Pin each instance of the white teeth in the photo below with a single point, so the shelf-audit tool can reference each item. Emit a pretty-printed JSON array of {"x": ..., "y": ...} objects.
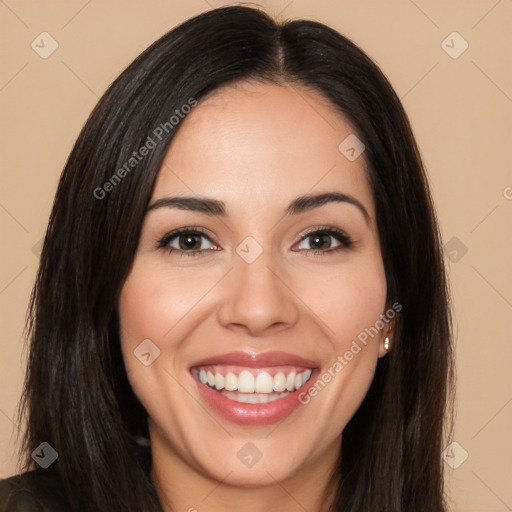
[
  {"x": 253, "y": 398},
  {"x": 231, "y": 382},
  {"x": 279, "y": 382},
  {"x": 246, "y": 382},
  {"x": 219, "y": 380},
  {"x": 290, "y": 381},
  {"x": 263, "y": 398},
  {"x": 263, "y": 383}
]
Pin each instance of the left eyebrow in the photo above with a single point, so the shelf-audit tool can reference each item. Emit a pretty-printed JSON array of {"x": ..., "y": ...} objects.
[
  {"x": 309, "y": 202},
  {"x": 216, "y": 208}
]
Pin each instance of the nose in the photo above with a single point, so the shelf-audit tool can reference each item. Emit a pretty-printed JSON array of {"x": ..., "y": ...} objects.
[{"x": 258, "y": 298}]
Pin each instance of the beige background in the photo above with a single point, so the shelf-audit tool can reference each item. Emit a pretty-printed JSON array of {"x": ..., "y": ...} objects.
[{"x": 461, "y": 111}]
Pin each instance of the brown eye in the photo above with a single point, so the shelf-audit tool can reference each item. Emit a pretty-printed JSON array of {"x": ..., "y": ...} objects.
[
  {"x": 321, "y": 241},
  {"x": 325, "y": 240},
  {"x": 187, "y": 241}
]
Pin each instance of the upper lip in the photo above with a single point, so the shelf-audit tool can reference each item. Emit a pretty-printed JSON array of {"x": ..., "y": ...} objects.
[{"x": 253, "y": 360}]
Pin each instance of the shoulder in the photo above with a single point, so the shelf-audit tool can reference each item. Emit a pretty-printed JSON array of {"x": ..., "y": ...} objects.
[{"x": 33, "y": 491}]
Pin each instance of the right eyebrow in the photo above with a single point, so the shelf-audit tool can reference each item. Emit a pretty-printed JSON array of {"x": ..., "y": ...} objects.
[{"x": 196, "y": 204}]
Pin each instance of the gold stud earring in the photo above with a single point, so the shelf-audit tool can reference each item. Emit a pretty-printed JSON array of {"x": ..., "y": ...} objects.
[{"x": 387, "y": 341}]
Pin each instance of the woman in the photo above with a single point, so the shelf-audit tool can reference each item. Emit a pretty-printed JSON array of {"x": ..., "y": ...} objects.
[{"x": 241, "y": 297}]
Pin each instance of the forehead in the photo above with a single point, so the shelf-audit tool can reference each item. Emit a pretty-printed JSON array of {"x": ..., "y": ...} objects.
[{"x": 262, "y": 143}]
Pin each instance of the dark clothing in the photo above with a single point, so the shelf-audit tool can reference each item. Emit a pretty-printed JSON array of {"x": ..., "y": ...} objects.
[{"x": 45, "y": 495}]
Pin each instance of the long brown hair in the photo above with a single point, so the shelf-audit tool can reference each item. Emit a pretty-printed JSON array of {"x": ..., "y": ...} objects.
[{"x": 77, "y": 396}]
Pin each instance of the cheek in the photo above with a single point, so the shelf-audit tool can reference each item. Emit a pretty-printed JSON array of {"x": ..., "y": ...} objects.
[
  {"x": 348, "y": 300},
  {"x": 145, "y": 313},
  {"x": 154, "y": 300},
  {"x": 155, "y": 304},
  {"x": 149, "y": 310}
]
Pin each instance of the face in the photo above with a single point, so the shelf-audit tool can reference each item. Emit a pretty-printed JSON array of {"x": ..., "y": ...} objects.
[{"x": 257, "y": 304}]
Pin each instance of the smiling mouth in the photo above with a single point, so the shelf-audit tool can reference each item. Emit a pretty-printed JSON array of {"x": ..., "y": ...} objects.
[
  {"x": 254, "y": 389},
  {"x": 253, "y": 385}
]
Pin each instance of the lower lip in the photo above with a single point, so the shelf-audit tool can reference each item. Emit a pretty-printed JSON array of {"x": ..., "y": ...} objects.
[{"x": 253, "y": 414}]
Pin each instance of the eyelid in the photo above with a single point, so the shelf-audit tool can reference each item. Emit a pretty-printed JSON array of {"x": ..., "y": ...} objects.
[
  {"x": 342, "y": 235},
  {"x": 163, "y": 241}
]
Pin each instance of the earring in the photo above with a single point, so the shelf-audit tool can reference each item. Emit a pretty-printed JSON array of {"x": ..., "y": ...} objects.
[{"x": 387, "y": 341}]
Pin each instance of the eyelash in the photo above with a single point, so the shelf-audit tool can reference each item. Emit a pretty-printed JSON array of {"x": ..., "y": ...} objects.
[
  {"x": 163, "y": 243},
  {"x": 345, "y": 241}
]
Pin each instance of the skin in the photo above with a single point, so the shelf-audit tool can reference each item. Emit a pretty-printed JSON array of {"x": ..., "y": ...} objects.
[{"x": 256, "y": 147}]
